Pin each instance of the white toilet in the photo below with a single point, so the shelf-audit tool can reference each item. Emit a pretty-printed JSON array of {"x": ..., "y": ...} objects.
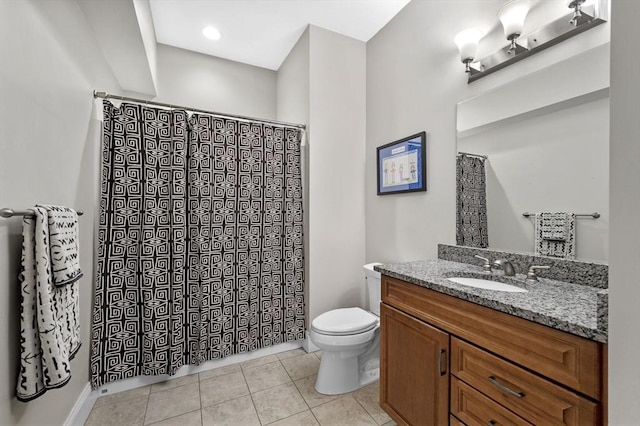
[{"x": 350, "y": 340}]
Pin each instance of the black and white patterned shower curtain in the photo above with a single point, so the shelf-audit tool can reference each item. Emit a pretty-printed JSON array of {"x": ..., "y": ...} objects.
[
  {"x": 471, "y": 204},
  {"x": 200, "y": 245}
]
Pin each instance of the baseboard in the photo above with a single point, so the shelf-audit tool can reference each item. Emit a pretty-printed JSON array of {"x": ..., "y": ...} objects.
[
  {"x": 308, "y": 345},
  {"x": 81, "y": 409}
]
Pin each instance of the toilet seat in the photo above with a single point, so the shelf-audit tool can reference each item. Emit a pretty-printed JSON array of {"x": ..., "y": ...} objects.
[{"x": 344, "y": 322}]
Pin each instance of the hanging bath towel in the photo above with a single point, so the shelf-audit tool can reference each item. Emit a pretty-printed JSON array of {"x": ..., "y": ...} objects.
[
  {"x": 49, "y": 313},
  {"x": 64, "y": 244},
  {"x": 555, "y": 235}
]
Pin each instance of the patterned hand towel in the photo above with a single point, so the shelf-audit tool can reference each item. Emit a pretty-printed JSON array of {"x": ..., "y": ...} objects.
[
  {"x": 555, "y": 226},
  {"x": 48, "y": 315},
  {"x": 64, "y": 241},
  {"x": 555, "y": 235}
]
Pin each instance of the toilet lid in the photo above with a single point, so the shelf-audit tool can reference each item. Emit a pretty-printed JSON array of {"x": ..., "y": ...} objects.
[{"x": 344, "y": 321}]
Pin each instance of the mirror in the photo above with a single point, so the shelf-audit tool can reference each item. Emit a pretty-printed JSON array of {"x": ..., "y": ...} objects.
[{"x": 550, "y": 155}]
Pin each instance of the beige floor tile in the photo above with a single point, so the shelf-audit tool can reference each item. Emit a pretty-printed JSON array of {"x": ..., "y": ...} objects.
[
  {"x": 306, "y": 418},
  {"x": 122, "y": 396},
  {"x": 290, "y": 354},
  {"x": 391, "y": 423},
  {"x": 172, "y": 402},
  {"x": 301, "y": 366},
  {"x": 318, "y": 354},
  {"x": 129, "y": 412},
  {"x": 174, "y": 383},
  {"x": 189, "y": 419},
  {"x": 258, "y": 361},
  {"x": 266, "y": 376},
  {"x": 278, "y": 403},
  {"x": 221, "y": 371},
  {"x": 239, "y": 411},
  {"x": 369, "y": 398},
  {"x": 307, "y": 387},
  {"x": 222, "y": 388},
  {"x": 343, "y": 411}
]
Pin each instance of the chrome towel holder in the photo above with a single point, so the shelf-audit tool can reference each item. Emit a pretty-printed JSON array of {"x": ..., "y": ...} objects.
[
  {"x": 594, "y": 215},
  {"x": 7, "y": 213}
]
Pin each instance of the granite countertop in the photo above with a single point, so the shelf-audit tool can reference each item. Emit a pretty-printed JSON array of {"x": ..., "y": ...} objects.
[{"x": 574, "y": 308}]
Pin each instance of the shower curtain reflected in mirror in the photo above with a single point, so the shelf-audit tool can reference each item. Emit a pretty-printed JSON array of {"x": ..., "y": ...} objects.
[
  {"x": 200, "y": 244},
  {"x": 471, "y": 203}
]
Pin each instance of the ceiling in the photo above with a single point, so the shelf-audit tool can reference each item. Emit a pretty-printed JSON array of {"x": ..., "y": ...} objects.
[{"x": 263, "y": 32}]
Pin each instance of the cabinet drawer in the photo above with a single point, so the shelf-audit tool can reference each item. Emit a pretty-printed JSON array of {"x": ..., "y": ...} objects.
[
  {"x": 473, "y": 408},
  {"x": 531, "y": 397},
  {"x": 571, "y": 360}
]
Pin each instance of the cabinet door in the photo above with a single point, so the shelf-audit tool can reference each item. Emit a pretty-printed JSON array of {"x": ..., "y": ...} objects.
[{"x": 414, "y": 364}]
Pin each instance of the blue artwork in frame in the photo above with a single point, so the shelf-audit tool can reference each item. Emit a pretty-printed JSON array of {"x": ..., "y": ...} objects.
[{"x": 402, "y": 165}]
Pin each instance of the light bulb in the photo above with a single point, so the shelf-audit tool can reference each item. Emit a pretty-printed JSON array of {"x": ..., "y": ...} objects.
[
  {"x": 211, "y": 33},
  {"x": 467, "y": 42},
  {"x": 512, "y": 15}
]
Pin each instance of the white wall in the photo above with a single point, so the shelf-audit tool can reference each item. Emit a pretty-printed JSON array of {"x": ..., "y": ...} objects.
[
  {"x": 553, "y": 162},
  {"x": 336, "y": 171},
  {"x": 49, "y": 144},
  {"x": 413, "y": 84},
  {"x": 331, "y": 69},
  {"x": 293, "y": 105},
  {"x": 414, "y": 81},
  {"x": 624, "y": 267},
  {"x": 213, "y": 84}
]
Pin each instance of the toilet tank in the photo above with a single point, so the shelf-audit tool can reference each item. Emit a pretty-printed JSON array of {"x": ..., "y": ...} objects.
[{"x": 373, "y": 287}]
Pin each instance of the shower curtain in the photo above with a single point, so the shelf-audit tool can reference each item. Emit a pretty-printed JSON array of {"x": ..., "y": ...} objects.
[
  {"x": 200, "y": 245},
  {"x": 471, "y": 205}
]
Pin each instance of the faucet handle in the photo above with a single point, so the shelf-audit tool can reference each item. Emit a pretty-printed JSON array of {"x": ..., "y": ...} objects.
[
  {"x": 531, "y": 275},
  {"x": 487, "y": 263}
]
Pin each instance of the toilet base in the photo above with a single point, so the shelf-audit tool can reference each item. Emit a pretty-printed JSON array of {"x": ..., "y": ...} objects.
[{"x": 346, "y": 371}]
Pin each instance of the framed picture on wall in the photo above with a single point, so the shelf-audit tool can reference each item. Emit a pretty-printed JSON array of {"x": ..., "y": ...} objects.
[{"x": 402, "y": 165}]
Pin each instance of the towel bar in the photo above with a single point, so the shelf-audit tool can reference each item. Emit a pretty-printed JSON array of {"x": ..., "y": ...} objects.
[
  {"x": 594, "y": 215},
  {"x": 28, "y": 212}
]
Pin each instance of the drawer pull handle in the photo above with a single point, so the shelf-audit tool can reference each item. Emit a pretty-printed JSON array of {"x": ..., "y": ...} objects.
[
  {"x": 504, "y": 388},
  {"x": 442, "y": 366}
]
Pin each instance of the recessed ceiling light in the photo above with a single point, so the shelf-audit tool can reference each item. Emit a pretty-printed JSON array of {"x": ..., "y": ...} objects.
[{"x": 211, "y": 33}]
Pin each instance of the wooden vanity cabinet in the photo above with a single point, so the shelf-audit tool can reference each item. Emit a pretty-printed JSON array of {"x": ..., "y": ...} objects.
[
  {"x": 444, "y": 360},
  {"x": 415, "y": 358}
]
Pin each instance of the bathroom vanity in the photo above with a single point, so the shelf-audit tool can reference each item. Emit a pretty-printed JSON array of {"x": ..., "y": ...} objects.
[{"x": 456, "y": 355}]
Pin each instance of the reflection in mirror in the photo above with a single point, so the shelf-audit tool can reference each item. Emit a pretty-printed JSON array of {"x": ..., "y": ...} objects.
[
  {"x": 553, "y": 162},
  {"x": 471, "y": 201}
]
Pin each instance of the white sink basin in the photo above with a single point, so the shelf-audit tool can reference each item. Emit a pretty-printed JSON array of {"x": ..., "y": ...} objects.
[{"x": 487, "y": 284}]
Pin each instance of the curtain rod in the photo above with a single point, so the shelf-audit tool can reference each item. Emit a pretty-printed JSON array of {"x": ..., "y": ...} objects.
[
  {"x": 472, "y": 155},
  {"x": 106, "y": 95}
]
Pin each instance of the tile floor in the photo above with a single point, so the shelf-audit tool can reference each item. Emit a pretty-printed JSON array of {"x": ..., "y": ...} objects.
[{"x": 273, "y": 390}]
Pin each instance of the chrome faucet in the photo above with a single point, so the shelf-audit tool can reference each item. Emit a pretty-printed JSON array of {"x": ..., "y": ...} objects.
[
  {"x": 487, "y": 263},
  {"x": 506, "y": 266},
  {"x": 531, "y": 275}
]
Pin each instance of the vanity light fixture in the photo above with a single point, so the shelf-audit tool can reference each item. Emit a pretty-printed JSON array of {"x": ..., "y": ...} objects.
[
  {"x": 467, "y": 42},
  {"x": 211, "y": 33},
  {"x": 576, "y": 5},
  {"x": 512, "y": 15},
  {"x": 585, "y": 15}
]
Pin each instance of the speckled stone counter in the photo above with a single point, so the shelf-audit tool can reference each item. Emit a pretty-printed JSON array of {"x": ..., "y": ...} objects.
[
  {"x": 573, "y": 271},
  {"x": 574, "y": 308}
]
